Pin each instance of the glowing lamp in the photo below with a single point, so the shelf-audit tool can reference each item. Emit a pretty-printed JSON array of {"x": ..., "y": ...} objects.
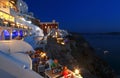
[
  {"x": 77, "y": 71},
  {"x": 62, "y": 43},
  {"x": 5, "y": 22},
  {"x": 43, "y": 54},
  {"x": 56, "y": 34},
  {"x": 13, "y": 24}
]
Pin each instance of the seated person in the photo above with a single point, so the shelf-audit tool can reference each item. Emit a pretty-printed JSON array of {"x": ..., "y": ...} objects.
[
  {"x": 49, "y": 63},
  {"x": 66, "y": 73},
  {"x": 34, "y": 62},
  {"x": 55, "y": 65}
]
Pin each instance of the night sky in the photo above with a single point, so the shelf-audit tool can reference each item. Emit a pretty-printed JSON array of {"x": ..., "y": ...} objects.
[{"x": 79, "y": 15}]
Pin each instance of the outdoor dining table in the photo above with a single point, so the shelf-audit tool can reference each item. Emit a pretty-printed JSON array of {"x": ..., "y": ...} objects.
[{"x": 49, "y": 74}]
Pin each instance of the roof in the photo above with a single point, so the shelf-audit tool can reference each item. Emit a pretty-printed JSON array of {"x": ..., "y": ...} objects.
[{"x": 15, "y": 46}]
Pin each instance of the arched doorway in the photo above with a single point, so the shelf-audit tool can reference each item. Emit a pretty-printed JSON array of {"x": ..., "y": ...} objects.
[
  {"x": 14, "y": 34},
  {"x": 21, "y": 33},
  {"x": 5, "y": 35}
]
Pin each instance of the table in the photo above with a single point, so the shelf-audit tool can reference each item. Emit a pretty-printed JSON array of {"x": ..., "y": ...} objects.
[
  {"x": 52, "y": 75},
  {"x": 49, "y": 74}
]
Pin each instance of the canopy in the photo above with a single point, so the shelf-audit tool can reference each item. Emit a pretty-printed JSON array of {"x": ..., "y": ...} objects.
[{"x": 14, "y": 46}]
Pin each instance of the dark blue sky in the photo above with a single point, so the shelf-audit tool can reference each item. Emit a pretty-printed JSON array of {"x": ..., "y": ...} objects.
[{"x": 79, "y": 15}]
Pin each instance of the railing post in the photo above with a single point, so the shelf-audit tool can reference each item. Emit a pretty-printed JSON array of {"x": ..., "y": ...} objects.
[{"x": 10, "y": 34}]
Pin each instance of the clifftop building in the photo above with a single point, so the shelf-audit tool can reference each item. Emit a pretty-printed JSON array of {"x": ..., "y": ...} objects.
[
  {"x": 15, "y": 19},
  {"x": 48, "y": 26}
]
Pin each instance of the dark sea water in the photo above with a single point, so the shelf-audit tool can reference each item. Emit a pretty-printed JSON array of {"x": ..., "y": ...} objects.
[{"x": 107, "y": 47}]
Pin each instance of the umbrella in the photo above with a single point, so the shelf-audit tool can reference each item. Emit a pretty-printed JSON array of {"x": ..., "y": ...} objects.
[{"x": 14, "y": 46}]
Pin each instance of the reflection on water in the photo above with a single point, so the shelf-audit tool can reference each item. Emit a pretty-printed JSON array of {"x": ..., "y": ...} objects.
[{"x": 107, "y": 47}]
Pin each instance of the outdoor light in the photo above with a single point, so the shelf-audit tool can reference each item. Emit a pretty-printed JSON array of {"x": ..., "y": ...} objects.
[
  {"x": 43, "y": 54},
  {"x": 58, "y": 41},
  {"x": 56, "y": 34},
  {"x": 18, "y": 24},
  {"x": 25, "y": 33},
  {"x": 77, "y": 71},
  {"x": 13, "y": 24},
  {"x": 62, "y": 43},
  {"x": 5, "y": 22},
  {"x": 53, "y": 36}
]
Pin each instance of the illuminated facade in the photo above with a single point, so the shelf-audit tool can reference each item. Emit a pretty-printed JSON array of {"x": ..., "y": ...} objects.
[
  {"x": 15, "y": 20},
  {"x": 8, "y": 5},
  {"x": 6, "y": 16},
  {"x": 12, "y": 23},
  {"x": 48, "y": 26}
]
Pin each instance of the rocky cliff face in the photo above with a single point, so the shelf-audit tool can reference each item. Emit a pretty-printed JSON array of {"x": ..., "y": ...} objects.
[{"x": 77, "y": 53}]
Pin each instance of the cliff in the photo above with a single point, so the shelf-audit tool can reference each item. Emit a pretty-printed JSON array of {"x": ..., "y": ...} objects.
[{"x": 77, "y": 53}]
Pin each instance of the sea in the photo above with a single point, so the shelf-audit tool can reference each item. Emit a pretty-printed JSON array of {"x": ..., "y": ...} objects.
[{"x": 107, "y": 47}]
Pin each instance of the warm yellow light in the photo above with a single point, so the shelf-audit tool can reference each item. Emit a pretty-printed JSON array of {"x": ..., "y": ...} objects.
[
  {"x": 53, "y": 36},
  {"x": 62, "y": 43},
  {"x": 21, "y": 26},
  {"x": 56, "y": 33},
  {"x": 25, "y": 27},
  {"x": 13, "y": 24},
  {"x": 18, "y": 25},
  {"x": 43, "y": 55},
  {"x": 56, "y": 26},
  {"x": 6, "y": 16},
  {"x": 77, "y": 71},
  {"x": 58, "y": 41},
  {"x": 45, "y": 27},
  {"x": 13, "y": 2},
  {"x": 5, "y": 22}
]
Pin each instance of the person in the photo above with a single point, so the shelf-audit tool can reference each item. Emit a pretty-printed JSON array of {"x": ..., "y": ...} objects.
[
  {"x": 66, "y": 73},
  {"x": 55, "y": 65},
  {"x": 34, "y": 62},
  {"x": 49, "y": 62}
]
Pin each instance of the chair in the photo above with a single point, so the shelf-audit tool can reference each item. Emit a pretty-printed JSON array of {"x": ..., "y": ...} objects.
[{"x": 41, "y": 68}]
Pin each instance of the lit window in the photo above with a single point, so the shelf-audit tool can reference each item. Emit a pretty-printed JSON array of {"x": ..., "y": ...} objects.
[
  {"x": 6, "y": 16},
  {"x": 45, "y": 27}
]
